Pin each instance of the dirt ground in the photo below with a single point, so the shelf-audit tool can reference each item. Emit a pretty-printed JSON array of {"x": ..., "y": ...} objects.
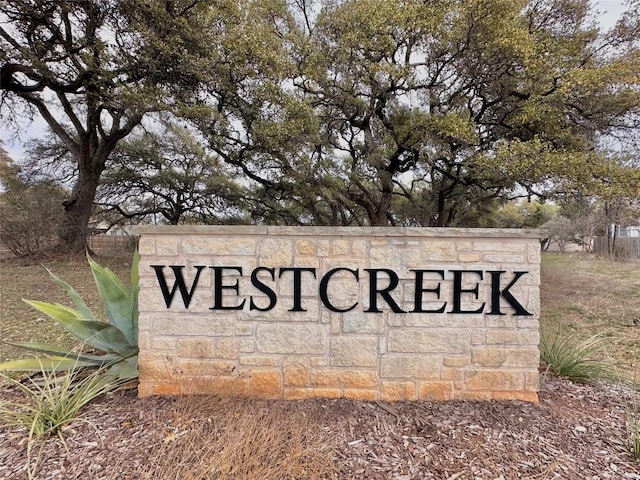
[{"x": 577, "y": 431}]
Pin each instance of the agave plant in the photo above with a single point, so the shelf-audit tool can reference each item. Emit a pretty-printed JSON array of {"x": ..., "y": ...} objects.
[{"x": 113, "y": 344}]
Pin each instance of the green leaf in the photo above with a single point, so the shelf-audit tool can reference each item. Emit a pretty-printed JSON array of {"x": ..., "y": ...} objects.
[
  {"x": 49, "y": 364},
  {"x": 58, "y": 351},
  {"x": 134, "y": 289},
  {"x": 99, "y": 335},
  {"x": 111, "y": 339},
  {"x": 119, "y": 305},
  {"x": 85, "y": 312},
  {"x": 125, "y": 370}
]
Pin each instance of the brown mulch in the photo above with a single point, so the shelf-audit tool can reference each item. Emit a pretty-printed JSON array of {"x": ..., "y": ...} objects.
[{"x": 575, "y": 432}]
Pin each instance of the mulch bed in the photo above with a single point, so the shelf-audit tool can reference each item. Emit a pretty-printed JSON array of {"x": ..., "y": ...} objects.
[{"x": 575, "y": 432}]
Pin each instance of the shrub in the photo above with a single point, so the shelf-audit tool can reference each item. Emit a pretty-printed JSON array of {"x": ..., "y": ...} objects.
[
  {"x": 114, "y": 344},
  {"x": 30, "y": 218},
  {"x": 580, "y": 360}
]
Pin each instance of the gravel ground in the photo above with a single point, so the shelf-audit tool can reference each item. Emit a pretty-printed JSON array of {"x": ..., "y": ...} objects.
[{"x": 575, "y": 432}]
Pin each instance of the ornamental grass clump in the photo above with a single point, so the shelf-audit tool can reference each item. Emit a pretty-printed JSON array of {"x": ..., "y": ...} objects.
[
  {"x": 633, "y": 422},
  {"x": 579, "y": 360},
  {"x": 50, "y": 401},
  {"x": 111, "y": 346}
]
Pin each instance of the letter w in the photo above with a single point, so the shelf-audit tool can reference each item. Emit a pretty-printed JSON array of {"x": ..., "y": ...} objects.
[{"x": 179, "y": 283}]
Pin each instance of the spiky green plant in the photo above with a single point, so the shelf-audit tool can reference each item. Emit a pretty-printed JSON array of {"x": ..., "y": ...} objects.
[
  {"x": 114, "y": 343},
  {"x": 569, "y": 356},
  {"x": 50, "y": 401}
]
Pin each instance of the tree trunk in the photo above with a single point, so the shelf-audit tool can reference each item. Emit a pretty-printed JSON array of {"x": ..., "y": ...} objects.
[
  {"x": 77, "y": 208},
  {"x": 380, "y": 217}
]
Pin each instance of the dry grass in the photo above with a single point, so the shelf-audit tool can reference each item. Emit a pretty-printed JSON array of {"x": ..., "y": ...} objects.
[
  {"x": 216, "y": 438},
  {"x": 586, "y": 296}
]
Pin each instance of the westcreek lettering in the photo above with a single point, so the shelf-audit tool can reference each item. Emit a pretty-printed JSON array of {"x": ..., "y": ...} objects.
[{"x": 382, "y": 282}]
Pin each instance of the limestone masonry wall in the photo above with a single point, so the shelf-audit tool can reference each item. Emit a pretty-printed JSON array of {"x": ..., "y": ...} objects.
[{"x": 461, "y": 323}]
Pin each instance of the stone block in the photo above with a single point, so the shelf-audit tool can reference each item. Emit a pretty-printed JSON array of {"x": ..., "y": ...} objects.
[
  {"x": 505, "y": 357},
  {"x": 528, "y": 323},
  {"x": 429, "y": 341},
  {"x": 144, "y": 340},
  {"x": 441, "y": 320},
  {"x": 265, "y": 384},
  {"x": 468, "y": 257},
  {"x": 503, "y": 258},
  {"x": 533, "y": 253},
  {"x": 340, "y": 247},
  {"x": 276, "y": 253},
  {"x": 336, "y": 324},
  {"x": 323, "y": 248},
  {"x": 318, "y": 361},
  {"x": 497, "y": 321},
  {"x": 166, "y": 389},
  {"x": 362, "y": 395},
  {"x": 399, "y": 258},
  {"x": 395, "y": 319},
  {"x": 532, "y": 381},
  {"x": 222, "y": 386},
  {"x": 343, "y": 378},
  {"x": 296, "y": 374},
  {"x": 426, "y": 367},
  {"x": 247, "y": 346},
  {"x": 195, "y": 347},
  {"x": 298, "y": 338},
  {"x": 155, "y": 366},
  {"x": 144, "y": 390},
  {"x": 397, "y": 391},
  {"x": 147, "y": 246},
  {"x": 216, "y": 246},
  {"x": 457, "y": 362},
  {"x": 495, "y": 380},
  {"x": 167, "y": 246},
  {"x": 479, "y": 337},
  {"x": 227, "y": 348},
  {"x": 497, "y": 336},
  {"x": 354, "y": 351},
  {"x": 360, "y": 322},
  {"x": 359, "y": 248},
  {"x": 438, "y": 251},
  {"x": 185, "y": 325},
  {"x": 437, "y": 391},
  {"x": 499, "y": 245},
  {"x": 464, "y": 246},
  {"x": 453, "y": 374},
  {"x": 191, "y": 368},
  {"x": 305, "y": 247},
  {"x": 382, "y": 345},
  {"x": 259, "y": 361},
  {"x": 244, "y": 328}
]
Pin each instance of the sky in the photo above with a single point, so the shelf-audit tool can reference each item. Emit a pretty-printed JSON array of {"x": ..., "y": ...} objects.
[{"x": 610, "y": 11}]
